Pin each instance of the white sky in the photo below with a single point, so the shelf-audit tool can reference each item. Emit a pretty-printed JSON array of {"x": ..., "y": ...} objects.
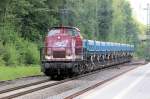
[{"x": 138, "y": 7}]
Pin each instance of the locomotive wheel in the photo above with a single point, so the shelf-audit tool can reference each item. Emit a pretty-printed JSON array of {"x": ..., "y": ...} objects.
[
  {"x": 75, "y": 70},
  {"x": 50, "y": 74},
  {"x": 47, "y": 72},
  {"x": 59, "y": 77},
  {"x": 53, "y": 77}
]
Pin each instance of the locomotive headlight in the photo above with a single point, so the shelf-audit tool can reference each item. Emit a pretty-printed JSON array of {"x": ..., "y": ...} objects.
[
  {"x": 47, "y": 57},
  {"x": 58, "y": 37},
  {"x": 68, "y": 52},
  {"x": 49, "y": 52}
]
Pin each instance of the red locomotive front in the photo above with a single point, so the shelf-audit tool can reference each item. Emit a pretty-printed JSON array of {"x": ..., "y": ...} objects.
[
  {"x": 63, "y": 44},
  {"x": 62, "y": 51}
]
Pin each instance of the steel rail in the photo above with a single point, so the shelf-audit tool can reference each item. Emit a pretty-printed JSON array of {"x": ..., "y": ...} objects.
[
  {"x": 23, "y": 86},
  {"x": 53, "y": 84},
  {"x": 97, "y": 84},
  {"x": 47, "y": 85}
]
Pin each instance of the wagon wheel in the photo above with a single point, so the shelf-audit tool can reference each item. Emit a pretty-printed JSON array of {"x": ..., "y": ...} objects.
[
  {"x": 75, "y": 69},
  {"x": 87, "y": 67},
  {"x": 81, "y": 69}
]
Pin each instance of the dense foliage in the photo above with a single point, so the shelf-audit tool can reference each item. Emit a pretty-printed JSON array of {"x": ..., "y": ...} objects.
[{"x": 24, "y": 23}]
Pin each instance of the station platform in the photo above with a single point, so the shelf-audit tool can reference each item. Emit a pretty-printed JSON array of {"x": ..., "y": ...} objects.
[{"x": 134, "y": 84}]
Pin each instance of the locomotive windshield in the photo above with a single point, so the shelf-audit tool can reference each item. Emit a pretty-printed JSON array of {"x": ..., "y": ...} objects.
[{"x": 70, "y": 31}]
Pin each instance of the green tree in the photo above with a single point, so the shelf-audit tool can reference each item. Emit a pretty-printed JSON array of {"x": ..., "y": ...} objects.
[{"x": 104, "y": 19}]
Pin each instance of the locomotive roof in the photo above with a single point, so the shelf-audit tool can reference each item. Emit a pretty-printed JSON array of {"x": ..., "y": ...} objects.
[{"x": 70, "y": 27}]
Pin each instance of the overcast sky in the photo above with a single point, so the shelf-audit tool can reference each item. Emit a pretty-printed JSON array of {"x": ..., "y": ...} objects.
[{"x": 138, "y": 9}]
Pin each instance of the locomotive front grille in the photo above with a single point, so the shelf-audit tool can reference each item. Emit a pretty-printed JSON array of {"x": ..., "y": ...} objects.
[{"x": 59, "y": 54}]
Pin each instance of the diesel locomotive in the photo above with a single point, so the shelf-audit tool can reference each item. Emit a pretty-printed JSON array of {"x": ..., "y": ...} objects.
[{"x": 66, "y": 53}]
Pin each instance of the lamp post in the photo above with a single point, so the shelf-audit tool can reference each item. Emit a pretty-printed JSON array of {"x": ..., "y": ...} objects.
[{"x": 147, "y": 53}]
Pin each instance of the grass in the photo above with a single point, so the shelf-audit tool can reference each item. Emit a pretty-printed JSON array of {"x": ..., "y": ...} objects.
[{"x": 10, "y": 73}]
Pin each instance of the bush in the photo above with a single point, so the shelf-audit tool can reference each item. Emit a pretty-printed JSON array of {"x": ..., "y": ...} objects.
[
  {"x": 22, "y": 52},
  {"x": 28, "y": 52},
  {"x": 14, "y": 50},
  {"x": 10, "y": 55},
  {"x": 2, "y": 62},
  {"x": 31, "y": 54}
]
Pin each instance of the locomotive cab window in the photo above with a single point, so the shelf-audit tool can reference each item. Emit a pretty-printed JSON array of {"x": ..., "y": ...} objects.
[
  {"x": 53, "y": 32},
  {"x": 69, "y": 31}
]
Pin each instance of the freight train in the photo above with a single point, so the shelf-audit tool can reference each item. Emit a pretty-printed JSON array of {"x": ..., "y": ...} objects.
[{"x": 66, "y": 53}]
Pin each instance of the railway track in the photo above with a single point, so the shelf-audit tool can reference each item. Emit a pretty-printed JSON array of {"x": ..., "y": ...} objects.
[
  {"x": 23, "y": 86},
  {"x": 36, "y": 86},
  {"x": 95, "y": 85},
  {"x": 102, "y": 82}
]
